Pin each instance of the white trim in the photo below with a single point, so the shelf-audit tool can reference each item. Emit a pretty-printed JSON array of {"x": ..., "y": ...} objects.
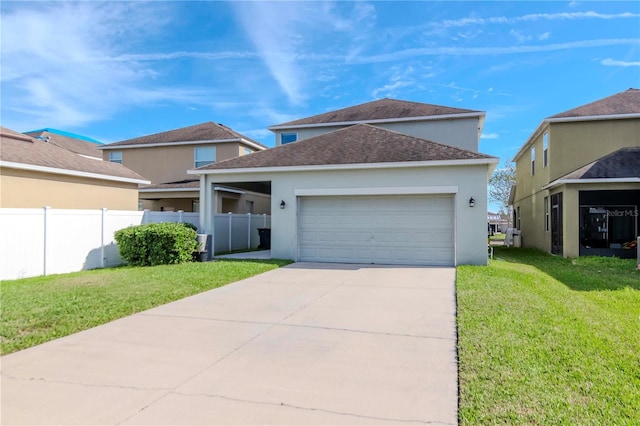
[
  {"x": 234, "y": 191},
  {"x": 593, "y": 118},
  {"x": 357, "y": 166},
  {"x": 381, "y": 120},
  {"x": 402, "y": 190},
  {"x": 43, "y": 169},
  {"x": 213, "y": 141},
  {"x": 599, "y": 180}
]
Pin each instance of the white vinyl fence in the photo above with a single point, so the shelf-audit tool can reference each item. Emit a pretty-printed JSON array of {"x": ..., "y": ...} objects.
[{"x": 53, "y": 241}]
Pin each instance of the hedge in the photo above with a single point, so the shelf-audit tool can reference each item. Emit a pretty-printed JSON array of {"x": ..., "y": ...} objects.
[{"x": 156, "y": 244}]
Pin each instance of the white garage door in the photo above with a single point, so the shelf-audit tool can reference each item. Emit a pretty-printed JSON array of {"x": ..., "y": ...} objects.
[{"x": 411, "y": 230}]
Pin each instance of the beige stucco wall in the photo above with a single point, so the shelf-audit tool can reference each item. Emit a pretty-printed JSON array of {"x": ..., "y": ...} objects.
[
  {"x": 471, "y": 223},
  {"x": 162, "y": 164},
  {"x": 575, "y": 144},
  {"x": 462, "y": 132},
  {"x": 571, "y": 145},
  {"x": 27, "y": 189}
]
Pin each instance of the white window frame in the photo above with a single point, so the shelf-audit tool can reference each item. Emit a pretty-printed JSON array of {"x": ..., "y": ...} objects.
[
  {"x": 533, "y": 161},
  {"x": 545, "y": 149},
  {"x": 547, "y": 214},
  {"x": 198, "y": 153},
  {"x": 115, "y": 157}
]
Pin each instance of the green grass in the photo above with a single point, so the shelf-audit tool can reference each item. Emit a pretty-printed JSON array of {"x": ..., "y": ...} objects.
[
  {"x": 39, "y": 309},
  {"x": 547, "y": 340}
]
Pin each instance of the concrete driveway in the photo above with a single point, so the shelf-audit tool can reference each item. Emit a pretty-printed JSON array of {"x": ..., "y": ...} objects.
[{"x": 304, "y": 344}]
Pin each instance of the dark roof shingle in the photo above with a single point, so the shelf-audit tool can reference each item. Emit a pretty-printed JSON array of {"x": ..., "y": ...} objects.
[
  {"x": 199, "y": 132},
  {"x": 69, "y": 143},
  {"x": 23, "y": 149},
  {"x": 358, "y": 144},
  {"x": 382, "y": 109},
  {"x": 623, "y": 163},
  {"x": 627, "y": 102}
]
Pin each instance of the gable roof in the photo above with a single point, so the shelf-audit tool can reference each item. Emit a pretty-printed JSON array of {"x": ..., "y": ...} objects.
[
  {"x": 75, "y": 143},
  {"x": 203, "y": 132},
  {"x": 622, "y": 165},
  {"x": 627, "y": 102},
  {"x": 24, "y": 152},
  {"x": 358, "y": 144},
  {"x": 379, "y": 111}
]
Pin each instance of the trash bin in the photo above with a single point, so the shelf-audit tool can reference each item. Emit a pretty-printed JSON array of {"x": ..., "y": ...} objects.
[{"x": 265, "y": 238}]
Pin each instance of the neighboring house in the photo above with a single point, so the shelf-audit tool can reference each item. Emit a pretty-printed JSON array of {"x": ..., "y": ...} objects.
[
  {"x": 364, "y": 194},
  {"x": 165, "y": 157},
  {"x": 577, "y": 186},
  {"x": 497, "y": 222},
  {"x": 81, "y": 145},
  {"x": 35, "y": 173},
  {"x": 453, "y": 126}
]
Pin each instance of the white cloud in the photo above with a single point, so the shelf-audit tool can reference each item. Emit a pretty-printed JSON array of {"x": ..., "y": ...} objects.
[
  {"x": 286, "y": 33},
  {"x": 490, "y": 136},
  {"x": 55, "y": 63},
  {"x": 614, "y": 63},
  {"x": 462, "y": 22}
]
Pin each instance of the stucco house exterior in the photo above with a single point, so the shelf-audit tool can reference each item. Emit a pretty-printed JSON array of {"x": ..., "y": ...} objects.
[
  {"x": 366, "y": 194},
  {"x": 427, "y": 121},
  {"x": 165, "y": 157},
  {"x": 35, "y": 173},
  {"x": 577, "y": 186}
]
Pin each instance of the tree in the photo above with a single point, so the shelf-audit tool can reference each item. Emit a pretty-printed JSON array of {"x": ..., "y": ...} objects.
[{"x": 500, "y": 184}]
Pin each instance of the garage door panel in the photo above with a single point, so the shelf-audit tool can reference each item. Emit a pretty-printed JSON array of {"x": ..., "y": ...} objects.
[{"x": 377, "y": 229}]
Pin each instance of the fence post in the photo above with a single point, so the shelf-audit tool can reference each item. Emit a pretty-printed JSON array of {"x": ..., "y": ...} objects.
[
  {"x": 249, "y": 231},
  {"x": 47, "y": 211},
  {"x": 145, "y": 217},
  {"x": 103, "y": 218},
  {"x": 264, "y": 216},
  {"x": 180, "y": 215},
  {"x": 230, "y": 219}
]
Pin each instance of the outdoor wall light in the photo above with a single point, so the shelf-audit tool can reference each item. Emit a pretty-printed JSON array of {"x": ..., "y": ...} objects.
[
  {"x": 472, "y": 202},
  {"x": 282, "y": 204}
]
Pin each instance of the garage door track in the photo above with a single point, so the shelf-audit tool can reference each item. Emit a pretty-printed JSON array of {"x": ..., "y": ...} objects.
[{"x": 304, "y": 344}]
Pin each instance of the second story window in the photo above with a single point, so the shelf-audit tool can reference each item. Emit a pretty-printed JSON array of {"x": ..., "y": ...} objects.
[
  {"x": 288, "y": 138},
  {"x": 545, "y": 149},
  {"x": 533, "y": 160},
  {"x": 115, "y": 157},
  {"x": 204, "y": 155},
  {"x": 247, "y": 150}
]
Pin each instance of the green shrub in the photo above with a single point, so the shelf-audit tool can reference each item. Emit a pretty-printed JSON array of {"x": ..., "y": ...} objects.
[
  {"x": 156, "y": 244},
  {"x": 190, "y": 226}
]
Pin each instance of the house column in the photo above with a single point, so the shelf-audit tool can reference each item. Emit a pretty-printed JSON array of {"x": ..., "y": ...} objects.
[{"x": 207, "y": 195}]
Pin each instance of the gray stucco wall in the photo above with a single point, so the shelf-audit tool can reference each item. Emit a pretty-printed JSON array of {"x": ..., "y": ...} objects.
[{"x": 471, "y": 181}]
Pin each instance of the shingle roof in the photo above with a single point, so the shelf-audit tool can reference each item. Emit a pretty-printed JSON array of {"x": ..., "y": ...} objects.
[
  {"x": 199, "y": 132},
  {"x": 184, "y": 184},
  {"x": 623, "y": 163},
  {"x": 68, "y": 142},
  {"x": 627, "y": 102},
  {"x": 23, "y": 149},
  {"x": 382, "y": 109},
  {"x": 358, "y": 144}
]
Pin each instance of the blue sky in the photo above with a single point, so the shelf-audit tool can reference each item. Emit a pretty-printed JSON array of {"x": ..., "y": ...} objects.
[{"x": 118, "y": 70}]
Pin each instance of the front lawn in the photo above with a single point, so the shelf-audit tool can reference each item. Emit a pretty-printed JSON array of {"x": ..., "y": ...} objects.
[
  {"x": 39, "y": 309},
  {"x": 547, "y": 340}
]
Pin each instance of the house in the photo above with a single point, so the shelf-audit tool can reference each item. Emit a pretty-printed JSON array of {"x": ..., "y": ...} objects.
[
  {"x": 81, "y": 145},
  {"x": 577, "y": 188},
  {"x": 366, "y": 194},
  {"x": 35, "y": 173},
  {"x": 426, "y": 121},
  {"x": 165, "y": 157}
]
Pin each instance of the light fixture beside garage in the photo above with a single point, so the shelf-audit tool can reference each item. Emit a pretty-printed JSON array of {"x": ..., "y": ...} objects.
[
  {"x": 282, "y": 204},
  {"x": 472, "y": 202}
]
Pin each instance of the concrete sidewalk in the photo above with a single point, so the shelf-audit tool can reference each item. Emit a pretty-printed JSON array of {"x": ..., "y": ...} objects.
[{"x": 304, "y": 344}]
